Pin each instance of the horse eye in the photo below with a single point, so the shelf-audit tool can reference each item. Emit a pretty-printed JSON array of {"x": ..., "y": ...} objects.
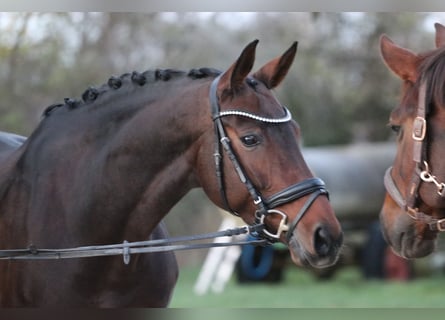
[
  {"x": 395, "y": 128},
  {"x": 250, "y": 140}
]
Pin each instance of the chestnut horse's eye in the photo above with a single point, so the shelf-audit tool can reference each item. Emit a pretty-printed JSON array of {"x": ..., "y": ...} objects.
[
  {"x": 395, "y": 128},
  {"x": 250, "y": 140}
]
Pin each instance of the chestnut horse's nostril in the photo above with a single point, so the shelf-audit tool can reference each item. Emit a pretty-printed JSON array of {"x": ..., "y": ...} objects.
[{"x": 323, "y": 242}]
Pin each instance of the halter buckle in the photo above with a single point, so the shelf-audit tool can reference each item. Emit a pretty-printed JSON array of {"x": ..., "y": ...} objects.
[
  {"x": 257, "y": 201},
  {"x": 419, "y": 128},
  {"x": 440, "y": 224}
]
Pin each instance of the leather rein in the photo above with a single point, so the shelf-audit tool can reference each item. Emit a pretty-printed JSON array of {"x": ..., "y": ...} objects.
[
  {"x": 313, "y": 187},
  {"x": 127, "y": 248},
  {"x": 421, "y": 171}
]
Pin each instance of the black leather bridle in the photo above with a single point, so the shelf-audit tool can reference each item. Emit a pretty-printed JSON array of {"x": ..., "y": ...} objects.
[
  {"x": 312, "y": 186},
  {"x": 421, "y": 171}
]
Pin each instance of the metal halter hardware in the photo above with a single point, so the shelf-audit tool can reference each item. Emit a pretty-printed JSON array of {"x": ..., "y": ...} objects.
[
  {"x": 265, "y": 207},
  {"x": 420, "y": 174}
]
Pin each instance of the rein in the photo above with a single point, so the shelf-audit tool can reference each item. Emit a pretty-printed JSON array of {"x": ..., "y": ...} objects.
[
  {"x": 265, "y": 207},
  {"x": 127, "y": 248},
  {"x": 419, "y": 175}
]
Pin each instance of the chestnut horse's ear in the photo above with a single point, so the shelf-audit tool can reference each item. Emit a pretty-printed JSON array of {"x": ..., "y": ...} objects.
[
  {"x": 440, "y": 35},
  {"x": 401, "y": 61},
  {"x": 233, "y": 79},
  {"x": 272, "y": 73}
]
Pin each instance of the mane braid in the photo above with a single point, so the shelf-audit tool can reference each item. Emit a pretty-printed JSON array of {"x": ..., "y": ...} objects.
[
  {"x": 203, "y": 73},
  {"x": 114, "y": 83}
]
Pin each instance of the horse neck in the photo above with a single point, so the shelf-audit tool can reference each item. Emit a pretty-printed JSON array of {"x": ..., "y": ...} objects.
[{"x": 128, "y": 171}]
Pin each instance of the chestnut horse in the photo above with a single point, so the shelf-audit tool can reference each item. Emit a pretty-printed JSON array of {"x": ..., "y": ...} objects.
[
  {"x": 413, "y": 211},
  {"x": 109, "y": 167}
]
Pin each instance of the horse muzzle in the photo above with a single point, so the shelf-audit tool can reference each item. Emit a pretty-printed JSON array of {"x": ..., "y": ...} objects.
[
  {"x": 407, "y": 237},
  {"x": 325, "y": 251},
  {"x": 320, "y": 246}
]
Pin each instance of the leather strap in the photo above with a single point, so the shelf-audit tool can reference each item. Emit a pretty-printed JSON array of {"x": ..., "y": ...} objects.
[
  {"x": 296, "y": 191},
  {"x": 127, "y": 248},
  {"x": 418, "y": 135},
  {"x": 301, "y": 213},
  {"x": 221, "y": 139},
  {"x": 419, "y": 125},
  {"x": 392, "y": 189}
]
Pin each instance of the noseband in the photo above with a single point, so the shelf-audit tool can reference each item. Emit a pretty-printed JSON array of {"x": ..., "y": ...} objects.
[
  {"x": 421, "y": 171},
  {"x": 265, "y": 207}
]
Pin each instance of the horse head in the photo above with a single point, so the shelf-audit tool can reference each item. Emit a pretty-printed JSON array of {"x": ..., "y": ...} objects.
[
  {"x": 414, "y": 207},
  {"x": 264, "y": 177}
]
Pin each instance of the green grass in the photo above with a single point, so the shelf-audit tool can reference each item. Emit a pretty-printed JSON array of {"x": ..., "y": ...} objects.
[{"x": 348, "y": 289}]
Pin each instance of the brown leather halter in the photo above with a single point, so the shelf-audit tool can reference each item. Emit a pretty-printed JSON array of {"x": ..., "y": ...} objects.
[{"x": 421, "y": 171}]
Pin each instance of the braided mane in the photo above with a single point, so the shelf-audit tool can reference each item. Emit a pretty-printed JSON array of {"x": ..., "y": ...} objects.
[{"x": 91, "y": 94}]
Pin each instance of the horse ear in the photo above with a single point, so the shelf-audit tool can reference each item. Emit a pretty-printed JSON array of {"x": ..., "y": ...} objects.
[
  {"x": 272, "y": 73},
  {"x": 233, "y": 79},
  {"x": 401, "y": 61},
  {"x": 440, "y": 35}
]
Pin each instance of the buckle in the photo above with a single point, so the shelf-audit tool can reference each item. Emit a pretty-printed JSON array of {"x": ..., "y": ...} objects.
[
  {"x": 440, "y": 224},
  {"x": 419, "y": 128},
  {"x": 281, "y": 227}
]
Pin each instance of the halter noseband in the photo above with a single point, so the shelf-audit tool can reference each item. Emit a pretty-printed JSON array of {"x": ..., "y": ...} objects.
[
  {"x": 265, "y": 207},
  {"x": 419, "y": 175}
]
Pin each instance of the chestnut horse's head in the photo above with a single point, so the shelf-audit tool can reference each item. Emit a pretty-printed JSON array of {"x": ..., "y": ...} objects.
[
  {"x": 263, "y": 176},
  {"x": 414, "y": 208}
]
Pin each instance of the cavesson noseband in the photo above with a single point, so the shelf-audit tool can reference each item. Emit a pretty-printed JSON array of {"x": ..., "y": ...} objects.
[{"x": 312, "y": 186}]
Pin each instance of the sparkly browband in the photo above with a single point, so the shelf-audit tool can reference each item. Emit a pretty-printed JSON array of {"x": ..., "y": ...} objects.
[{"x": 287, "y": 117}]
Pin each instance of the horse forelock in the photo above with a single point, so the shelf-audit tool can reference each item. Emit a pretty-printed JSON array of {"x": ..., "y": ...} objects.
[
  {"x": 432, "y": 70},
  {"x": 127, "y": 81}
]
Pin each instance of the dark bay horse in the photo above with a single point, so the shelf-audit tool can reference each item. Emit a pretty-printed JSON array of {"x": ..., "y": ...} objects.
[
  {"x": 108, "y": 167},
  {"x": 413, "y": 211}
]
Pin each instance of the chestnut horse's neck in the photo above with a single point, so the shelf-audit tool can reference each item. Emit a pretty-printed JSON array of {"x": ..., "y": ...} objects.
[{"x": 124, "y": 158}]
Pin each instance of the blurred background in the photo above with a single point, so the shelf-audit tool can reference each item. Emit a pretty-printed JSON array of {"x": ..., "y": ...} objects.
[
  {"x": 338, "y": 90},
  {"x": 335, "y": 88}
]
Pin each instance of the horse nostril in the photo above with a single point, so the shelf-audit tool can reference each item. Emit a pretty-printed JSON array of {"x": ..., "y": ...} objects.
[{"x": 322, "y": 242}]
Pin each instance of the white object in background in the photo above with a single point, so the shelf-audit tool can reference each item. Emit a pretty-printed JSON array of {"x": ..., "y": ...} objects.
[{"x": 219, "y": 263}]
